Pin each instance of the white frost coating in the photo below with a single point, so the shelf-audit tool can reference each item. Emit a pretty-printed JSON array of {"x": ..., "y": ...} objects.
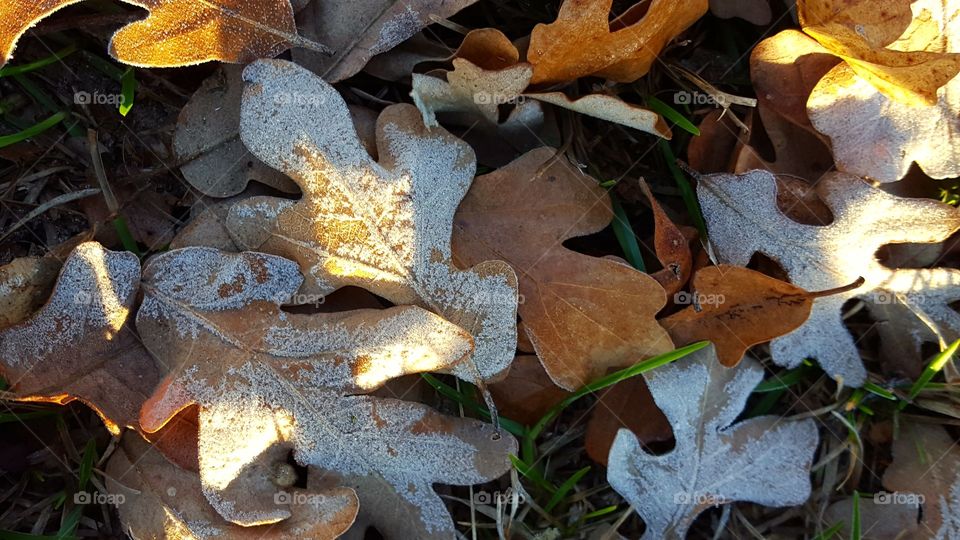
[
  {"x": 266, "y": 381},
  {"x": 383, "y": 226},
  {"x": 75, "y": 310},
  {"x": 743, "y": 218},
  {"x": 469, "y": 89},
  {"x": 404, "y": 24},
  {"x": 763, "y": 460},
  {"x": 878, "y": 137}
]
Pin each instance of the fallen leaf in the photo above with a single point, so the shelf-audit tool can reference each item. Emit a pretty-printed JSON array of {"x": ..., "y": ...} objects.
[
  {"x": 25, "y": 284},
  {"x": 381, "y": 226},
  {"x": 764, "y": 460},
  {"x": 358, "y": 30},
  {"x": 207, "y": 229},
  {"x": 157, "y": 499},
  {"x": 80, "y": 345},
  {"x": 234, "y": 31},
  {"x": 885, "y": 43},
  {"x": 18, "y": 17},
  {"x": 878, "y": 137},
  {"x": 784, "y": 69},
  {"x": 926, "y": 469},
  {"x": 526, "y": 393},
  {"x": 753, "y": 11},
  {"x": 207, "y": 140},
  {"x": 469, "y": 88},
  {"x": 672, "y": 247},
  {"x": 737, "y": 308},
  {"x": 583, "y": 314},
  {"x": 743, "y": 219},
  {"x": 584, "y": 41},
  {"x": 880, "y": 520},
  {"x": 625, "y": 405},
  {"x": 268, "y": 382},
  {"x": 611, "y": 109}
]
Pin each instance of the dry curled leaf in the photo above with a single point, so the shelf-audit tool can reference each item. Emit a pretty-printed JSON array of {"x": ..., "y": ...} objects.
[
  {"x": 359, "y": 29},
  {"x": 926, "y": 469},
  {"x": 583, "y": 314},
  {"x": 671, "y": 245},
  {"x": 743, "y": 219},
  {"x": 267, "y": 382},
  {"x": 737, "y": 308},
  {"x": 382, "y": 226},
  {"x": 879, "y": 137},
  {"x": 884, "y": 42},
  {"x": 765, "y": 460},
  {"x": 611, "y": 109},
  {"x": 157, "y": 499},
  {"x": 584, "y": 41},
  {"x": 80, "y": 344}
]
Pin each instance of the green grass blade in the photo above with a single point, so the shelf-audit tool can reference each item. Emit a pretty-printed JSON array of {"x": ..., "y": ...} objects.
[
  {"x": 128, "y": 90},
  {"x": 855, "y": 533},
  {"x": 512, "y": 426},
  {"x": 532, "y": 474},
  {"x": 565, "y": 488},
  {"x": 829, "y": 533},
  {"x": 672, "y": 115},
  {"x": 43, "y": 62},
  {"x": 32, "y": 131},
  {"x": 934, "y": 367},
  {"x": 686, "y": 190},
  {"x": 625, "y": 235}
]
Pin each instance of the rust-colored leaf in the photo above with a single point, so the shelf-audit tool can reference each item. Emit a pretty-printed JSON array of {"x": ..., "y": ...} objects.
[
  {"x": 583, "y": 314},
  {"x": 625, "y": 405},
  {"x": 672, "y": 247},
  {"x": 737, "y": 308},
  {"x": 526, "y": 393},
  {"x": 583, "y": 41}
]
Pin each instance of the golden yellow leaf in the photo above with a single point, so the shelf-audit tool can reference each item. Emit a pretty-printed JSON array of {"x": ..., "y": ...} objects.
[
  {"x": 583, "y": 41},
  {"x": 894, "y": 48}
]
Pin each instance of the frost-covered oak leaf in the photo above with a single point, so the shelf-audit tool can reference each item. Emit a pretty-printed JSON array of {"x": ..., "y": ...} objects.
[
  {"x": 764, "y": 460},
  {"x": 743, "y": 218},
  {"x": 879, "y": 137},
  {"x": 267, "y": 382},
  {"x": 381, "y": 226},
  {"x": 80, "y": 344},
  {"x": 926, "y": 462},
  {"x": 583, "y": 314},
  {"x": 157, "y": 499}
]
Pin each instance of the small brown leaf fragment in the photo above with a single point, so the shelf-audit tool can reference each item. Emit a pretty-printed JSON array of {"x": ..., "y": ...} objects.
[
  {"x": 583, "y": 314},
  {"x": 233, "y": 31},
  {"x": 526, "y": 393},
  {"x": 737, "y": 308},
  {"x": 25, "y": 284},
  {"x": 583, "y": 41},
  {"x": 926, "y": 469},
  {"x": 625, "y": 405},
  {"x": 672, "y": 247},
  {"x": 157, "y": 499},
  {"x": 80, "y": 344}
]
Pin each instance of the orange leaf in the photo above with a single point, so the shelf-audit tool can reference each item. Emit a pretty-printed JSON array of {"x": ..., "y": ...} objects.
[{"x": 583, "y": 41}]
